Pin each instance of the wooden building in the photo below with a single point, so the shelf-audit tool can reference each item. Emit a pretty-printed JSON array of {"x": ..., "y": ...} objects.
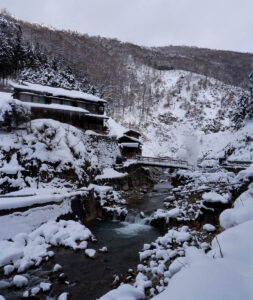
[
  {"x": 133, "y": 133},
  {"x": 80, "y": 109},
  {"x": 130, "y": 146}
]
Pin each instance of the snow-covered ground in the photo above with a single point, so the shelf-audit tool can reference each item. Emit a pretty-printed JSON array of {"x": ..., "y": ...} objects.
[
  {"x": 189, "y": 118},
  {"x": 225, "y": 272},
  {"x": 50, "y": 154},
  {"x": 185, "y": 115},
  {"x": 182, "y": 265}
]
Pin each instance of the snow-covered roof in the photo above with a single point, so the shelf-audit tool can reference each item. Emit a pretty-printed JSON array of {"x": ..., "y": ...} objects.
[
  {"x": 57, "y": 92},
  {"x": 58, "y": 107},
  {"x": 97, "y": 116},
  {"x": 132, "y": 130},
  {"x": 130, "y": 145},
  {"x": 129, "y": 138}
]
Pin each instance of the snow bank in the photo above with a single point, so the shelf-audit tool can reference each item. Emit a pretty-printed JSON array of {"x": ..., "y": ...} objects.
[
  {"x": 26, "y": 221},
  {"x": 27, "y": 250},
  {"x": 110, "y": 173},
  {"x": 166, "y": 214},
  {"x": 241, "y": 212},
  {"x": 53, "y": 154},
  {"x": 124, "y": 292},
  {"x": 206, "y": 278},
  {"x": 115, "y": 129},
  {"x": 225, "y": 272},
  {"x": 20, "y": 281},
  {"x": 42, "y": 196}
]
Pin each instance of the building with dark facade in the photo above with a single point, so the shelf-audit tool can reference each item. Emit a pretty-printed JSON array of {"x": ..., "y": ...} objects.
[{"x": 79, "y": 109}]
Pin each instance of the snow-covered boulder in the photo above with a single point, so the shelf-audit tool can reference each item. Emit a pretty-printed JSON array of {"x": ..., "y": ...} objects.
[{"x": 20, "y": 281}]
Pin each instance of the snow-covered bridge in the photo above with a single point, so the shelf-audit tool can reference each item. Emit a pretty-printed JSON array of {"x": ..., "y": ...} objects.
[{"x": 162, "y": 162}]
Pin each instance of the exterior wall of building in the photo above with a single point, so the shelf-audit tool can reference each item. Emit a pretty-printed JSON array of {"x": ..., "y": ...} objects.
[
  {"x": 78, "y": 119},
  {"x": 130, "y": 152},
  {"x": 96, "y": 108},
  {"x": 133, "y": 134},
  {"x": 73, "y": 118}
]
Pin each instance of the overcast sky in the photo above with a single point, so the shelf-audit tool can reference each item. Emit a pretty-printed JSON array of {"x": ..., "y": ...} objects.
[{"x": 219, "y": 24}]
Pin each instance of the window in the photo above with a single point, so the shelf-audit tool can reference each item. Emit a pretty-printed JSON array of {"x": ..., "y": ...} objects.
[
  {"x": 42, "y": 100},
  {"x": 101, "y": 109},
  {"x": 65, "y": 102},
  {"x": 25, "y": 97}
]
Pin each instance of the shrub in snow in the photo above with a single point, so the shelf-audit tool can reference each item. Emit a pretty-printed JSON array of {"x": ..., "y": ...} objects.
[{"x": 13, "y": 113}]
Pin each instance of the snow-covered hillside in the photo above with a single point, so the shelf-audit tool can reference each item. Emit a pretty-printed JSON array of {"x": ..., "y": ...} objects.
[
  {"x": 181, "y": 113},
  {"x": 49, "y": 153}
]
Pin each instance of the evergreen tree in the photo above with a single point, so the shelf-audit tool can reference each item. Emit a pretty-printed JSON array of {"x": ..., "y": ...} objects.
[{"x": 244, "y": 106}]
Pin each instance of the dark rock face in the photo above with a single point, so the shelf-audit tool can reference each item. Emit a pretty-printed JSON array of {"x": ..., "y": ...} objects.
[
  {"x": 211, "y": 213},
  {"x": 137, "y": 176},
  {"x": 84, "y": 207}
]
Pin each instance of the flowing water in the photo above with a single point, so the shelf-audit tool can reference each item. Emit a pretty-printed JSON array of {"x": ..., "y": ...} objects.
[{"x": 89, "y": 279}]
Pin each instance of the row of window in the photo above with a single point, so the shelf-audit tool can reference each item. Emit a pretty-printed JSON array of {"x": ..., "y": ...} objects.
[
  {"x": 66, "y": 118},
  {"x": 44, "y": 100}
]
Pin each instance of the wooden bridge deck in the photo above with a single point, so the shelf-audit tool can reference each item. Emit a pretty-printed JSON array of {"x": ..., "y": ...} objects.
[{"x": 162, "y": 162}]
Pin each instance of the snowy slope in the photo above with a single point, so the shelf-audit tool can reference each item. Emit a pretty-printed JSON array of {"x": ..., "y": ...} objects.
[
  {"x": 177, "y": 110},
  {"x": 51, "y": 154}
]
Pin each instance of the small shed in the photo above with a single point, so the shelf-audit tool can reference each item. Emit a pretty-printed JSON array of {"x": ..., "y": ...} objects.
[
  {"x": 133, "y": 133},
  {"x": 130, "y": 146}
]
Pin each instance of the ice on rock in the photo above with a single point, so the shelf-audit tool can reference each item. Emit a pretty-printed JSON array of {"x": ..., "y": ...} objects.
[
  {"x": 4, "y": 284},
  {"x": 35, "y": 291},
  {"x": 90, "y": 252},
  {"x": 167, "y": 214},
  {"x": 25, "y": 294},
  {"x": 103, "y": 249},
  {"x": 20, "y": 281},
  {"x": 45, "y": 286},
  {"x": 63, "y": 296},
  {"x": 8, "y": 269},
  {"x": 57, "y": 268},
  {"x": 209, "y": 227}
]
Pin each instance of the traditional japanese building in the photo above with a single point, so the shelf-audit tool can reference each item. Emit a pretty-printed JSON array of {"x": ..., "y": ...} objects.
[
  {"x": 80, "y": 109},
  {"x": 130, "y": 145}
]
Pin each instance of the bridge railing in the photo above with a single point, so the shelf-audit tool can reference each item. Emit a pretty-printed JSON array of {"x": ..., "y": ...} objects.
[{"x": 161, "y": 160}]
